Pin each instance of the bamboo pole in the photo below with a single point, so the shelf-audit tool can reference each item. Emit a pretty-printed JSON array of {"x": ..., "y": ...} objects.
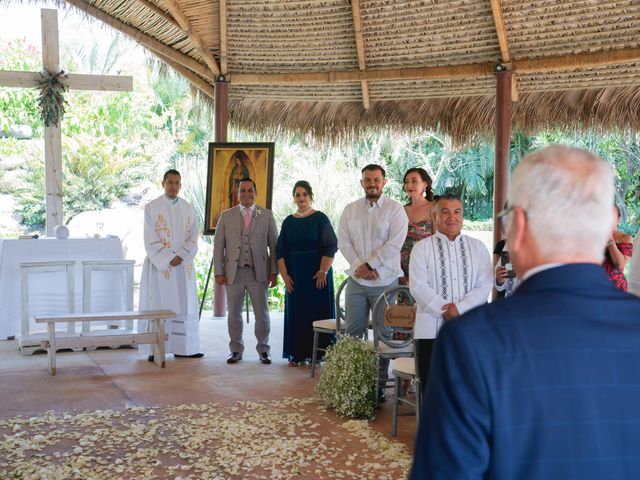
[
  {"x": 580, "y": 60},
  {"x": 496, "y": 10},
  {"x": 223, "y": 36},
  {"x": 498, "y": 20},
  {"x": 357, "y": 27},
  {"x": 161, "y": 13},
  {"x": 195, "y": 38},
  {"x": 414, "y": 73},
  {"x": 144, "y": 39}
]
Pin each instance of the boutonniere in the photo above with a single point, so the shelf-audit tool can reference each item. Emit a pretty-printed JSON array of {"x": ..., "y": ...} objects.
[{"x": 256, "y": 213}]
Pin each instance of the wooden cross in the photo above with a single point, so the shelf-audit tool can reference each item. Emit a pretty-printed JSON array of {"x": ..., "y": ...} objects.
[{"x": 52, "y": 134}]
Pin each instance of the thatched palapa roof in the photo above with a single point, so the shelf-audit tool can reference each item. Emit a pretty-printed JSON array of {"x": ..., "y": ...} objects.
[{"x": 337, "y": 67}]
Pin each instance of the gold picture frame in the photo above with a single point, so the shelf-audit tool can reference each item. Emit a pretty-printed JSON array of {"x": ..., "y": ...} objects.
[{"x": 229, "y": 162}]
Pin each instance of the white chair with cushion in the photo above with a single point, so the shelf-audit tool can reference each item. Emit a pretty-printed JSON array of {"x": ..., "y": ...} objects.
[{"x": 328, "y": 326}]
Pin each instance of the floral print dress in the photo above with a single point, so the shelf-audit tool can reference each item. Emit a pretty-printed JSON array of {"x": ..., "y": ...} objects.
[
  {"x": 616, "y": 275},
  {"x": 416, "y": 232}
]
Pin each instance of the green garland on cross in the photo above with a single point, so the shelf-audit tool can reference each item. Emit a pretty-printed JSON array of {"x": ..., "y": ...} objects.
[{"x": 51, "y": 99}]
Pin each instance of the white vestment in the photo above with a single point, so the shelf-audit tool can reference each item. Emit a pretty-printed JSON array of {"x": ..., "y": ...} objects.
[
  {"x": 442, "y": 271},
  {"x": 170, "y": 229}
]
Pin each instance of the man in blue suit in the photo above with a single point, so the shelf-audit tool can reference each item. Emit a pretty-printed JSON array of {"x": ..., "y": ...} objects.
[{"x": 545, "y": 384}]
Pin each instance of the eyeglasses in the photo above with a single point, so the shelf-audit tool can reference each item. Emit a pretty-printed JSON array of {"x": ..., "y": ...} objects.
[{"x": 504, "y": 216}]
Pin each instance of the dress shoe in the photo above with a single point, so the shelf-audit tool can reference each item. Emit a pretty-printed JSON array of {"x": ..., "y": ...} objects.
[
  {"x": 382, "y": 396},
  {"x": 195, "y": 355},
  {"x": 234, "y": 357},
  {"x": 150, "y": 358},
  {"x": 265, "y": 358}
]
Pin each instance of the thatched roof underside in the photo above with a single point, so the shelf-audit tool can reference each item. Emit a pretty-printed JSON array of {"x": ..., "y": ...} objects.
[{"x": 335, "y": 68}]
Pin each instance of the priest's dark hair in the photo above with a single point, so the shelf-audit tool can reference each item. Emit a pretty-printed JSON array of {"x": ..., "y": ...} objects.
[
  {"x": 247, "y": 179},
  {"x": 171, "y": 171}
]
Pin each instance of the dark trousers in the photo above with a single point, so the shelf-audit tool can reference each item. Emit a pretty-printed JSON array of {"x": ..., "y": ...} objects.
[{"x": 423, "y": 350}]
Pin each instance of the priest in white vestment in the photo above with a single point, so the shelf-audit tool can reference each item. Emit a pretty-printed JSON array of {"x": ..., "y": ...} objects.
[
  {"x": 449, "y": 274},
  {"x": 168, "y": 275}
]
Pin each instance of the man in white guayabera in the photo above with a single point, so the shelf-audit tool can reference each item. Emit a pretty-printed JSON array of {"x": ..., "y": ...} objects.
[
  {"x": 453, "y": 274},
  {"x": 371, "y": 233}
]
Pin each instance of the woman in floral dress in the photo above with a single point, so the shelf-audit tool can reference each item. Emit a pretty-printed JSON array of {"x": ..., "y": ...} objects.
[
  {"x": 616, "y": 255},
  {"x": 417, "y": 186}
]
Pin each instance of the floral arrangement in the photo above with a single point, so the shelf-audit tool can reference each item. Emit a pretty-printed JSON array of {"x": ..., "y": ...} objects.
[
  {"x": 348, "y": 382},
  {"x": 51, "y": 99}
]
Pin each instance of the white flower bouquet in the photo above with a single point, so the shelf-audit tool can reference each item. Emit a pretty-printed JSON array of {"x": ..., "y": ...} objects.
[{"x": 348, "y": 382}]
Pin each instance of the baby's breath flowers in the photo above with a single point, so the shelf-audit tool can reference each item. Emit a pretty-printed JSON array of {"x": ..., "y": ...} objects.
[{"x": 348, "y": 380}]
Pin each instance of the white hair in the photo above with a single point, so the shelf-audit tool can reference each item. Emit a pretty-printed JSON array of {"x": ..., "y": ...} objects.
[{"x": 568, "y": 197}]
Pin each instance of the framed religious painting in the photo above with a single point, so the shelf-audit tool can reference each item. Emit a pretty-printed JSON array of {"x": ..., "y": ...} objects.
[{"x": 230, "y": 162}]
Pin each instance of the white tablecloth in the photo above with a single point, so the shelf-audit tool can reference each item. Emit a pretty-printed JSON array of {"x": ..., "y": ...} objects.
[{"x": 47, "y": 291}]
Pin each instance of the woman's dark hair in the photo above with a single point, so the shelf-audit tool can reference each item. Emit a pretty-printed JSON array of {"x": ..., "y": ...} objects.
[
  {"x": 425, "y": 178},
  {"x": 303, "y": 184}
]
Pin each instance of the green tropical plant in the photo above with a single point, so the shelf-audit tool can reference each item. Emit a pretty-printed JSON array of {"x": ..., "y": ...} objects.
[
  {"x": 276, "y": 296},
  {"x": 19, "y": 105},
  {"x": 201, "y": 264},
  {"x": 95, "y": 173}
]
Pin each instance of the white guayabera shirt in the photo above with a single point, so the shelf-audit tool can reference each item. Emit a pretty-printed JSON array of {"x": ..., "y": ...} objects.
[
  {"x": 170, "y": 229},
  {"x": 442, "y": 271},
  {"x": 373, "y": 235}
]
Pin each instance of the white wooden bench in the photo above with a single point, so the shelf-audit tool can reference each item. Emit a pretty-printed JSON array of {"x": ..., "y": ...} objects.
[{"x": 156, "y": 338}]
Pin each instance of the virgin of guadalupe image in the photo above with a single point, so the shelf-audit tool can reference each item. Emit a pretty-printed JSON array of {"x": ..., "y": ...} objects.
[{"x": 240, "y": 170}]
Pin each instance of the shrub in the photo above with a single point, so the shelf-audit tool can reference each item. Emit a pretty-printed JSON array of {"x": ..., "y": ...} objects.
[
  {"x": 95, "y": 172},
  {"x": 348, "y": 382},
  {"x": 202, "y": 262}
]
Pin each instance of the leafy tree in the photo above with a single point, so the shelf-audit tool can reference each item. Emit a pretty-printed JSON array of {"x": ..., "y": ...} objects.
[
  {"x": 19, "y": 105},
  {"x": 95, "y": 173}
]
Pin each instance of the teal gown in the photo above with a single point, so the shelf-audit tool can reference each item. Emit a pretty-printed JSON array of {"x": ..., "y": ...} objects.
[{"x": 302, "y": 243}]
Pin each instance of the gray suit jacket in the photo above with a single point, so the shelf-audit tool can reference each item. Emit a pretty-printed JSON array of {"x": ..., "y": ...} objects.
[{"x": 228, "y": 240}]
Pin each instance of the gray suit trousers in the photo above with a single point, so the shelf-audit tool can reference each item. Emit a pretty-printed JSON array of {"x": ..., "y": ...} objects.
[{"x": 246, "y": 281}]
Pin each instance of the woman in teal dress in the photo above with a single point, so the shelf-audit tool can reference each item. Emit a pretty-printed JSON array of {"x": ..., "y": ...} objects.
[
  {"x": 417, "y": 186},
  {"x": 305, "y": 250}
]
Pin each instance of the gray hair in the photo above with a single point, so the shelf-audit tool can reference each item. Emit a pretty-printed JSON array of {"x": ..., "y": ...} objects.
[{"x": 567, "y": 194}]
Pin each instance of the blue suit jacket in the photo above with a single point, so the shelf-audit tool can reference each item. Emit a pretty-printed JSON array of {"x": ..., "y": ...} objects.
[{"x": 542, "y": 385}]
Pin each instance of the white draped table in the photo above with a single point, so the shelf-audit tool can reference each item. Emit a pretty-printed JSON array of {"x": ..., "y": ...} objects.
[{"x": 47, "y": 291}]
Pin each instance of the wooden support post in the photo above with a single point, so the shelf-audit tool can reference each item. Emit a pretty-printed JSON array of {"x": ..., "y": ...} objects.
[
  {"x": 503, "y": 144},
  {"x": 221, "y": 120}
]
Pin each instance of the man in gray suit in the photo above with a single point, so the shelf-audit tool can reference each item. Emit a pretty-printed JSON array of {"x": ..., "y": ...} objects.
[{"x": 244, "y": 257}]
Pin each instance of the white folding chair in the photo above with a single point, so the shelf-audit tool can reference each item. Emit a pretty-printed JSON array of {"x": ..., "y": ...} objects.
[
  {"x": 125, "y": 268},
  {"x": 329, "y": 326},
  {"x": 391, "y": 341}
]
